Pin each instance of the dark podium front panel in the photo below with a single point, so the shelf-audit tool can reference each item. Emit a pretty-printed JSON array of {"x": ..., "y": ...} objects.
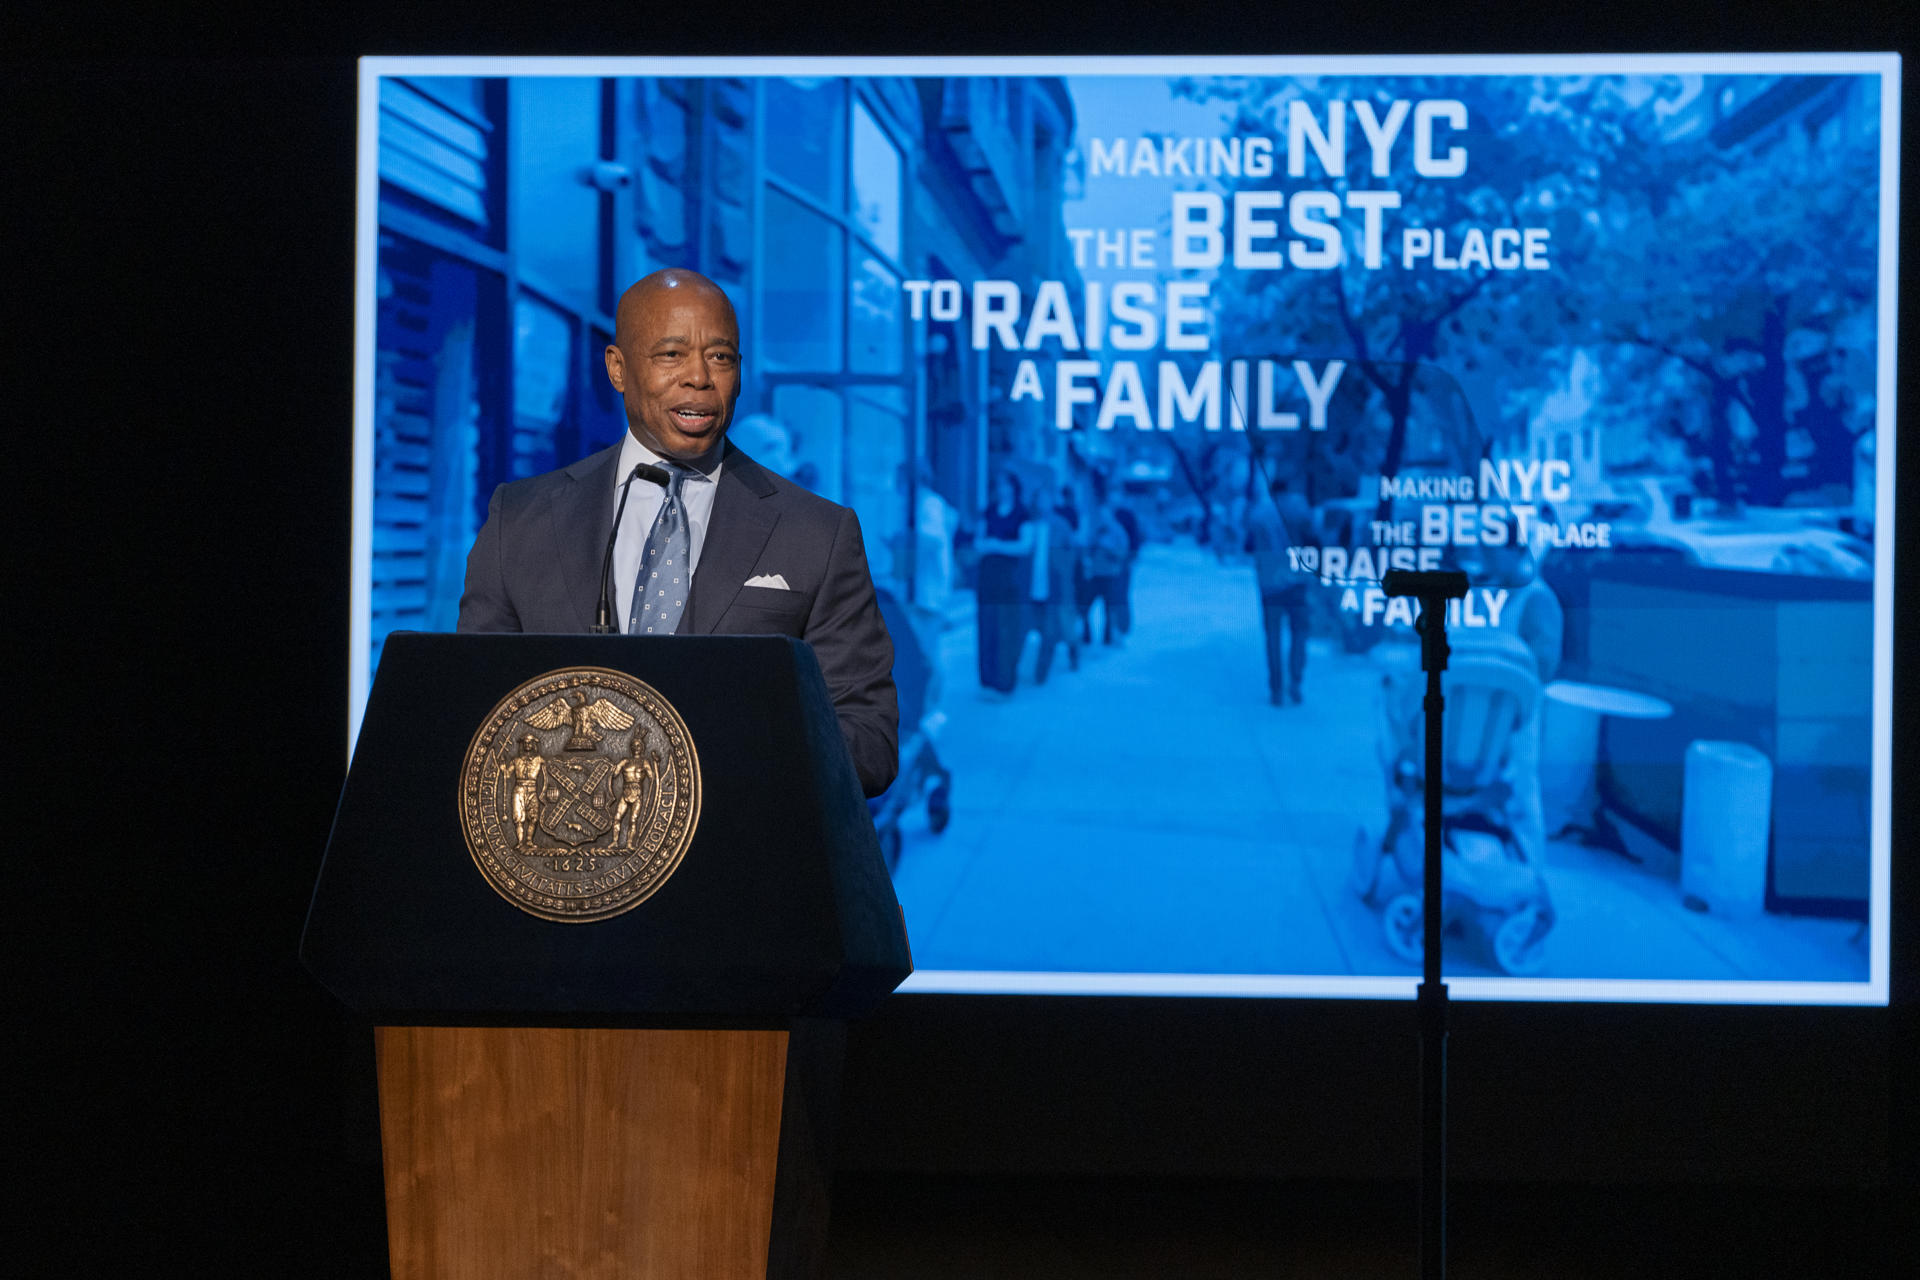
[{"x": 780, "y": 908}]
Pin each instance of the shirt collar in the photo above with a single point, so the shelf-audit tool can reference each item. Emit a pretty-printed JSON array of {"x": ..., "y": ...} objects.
[{"x": 632, "y": 452}]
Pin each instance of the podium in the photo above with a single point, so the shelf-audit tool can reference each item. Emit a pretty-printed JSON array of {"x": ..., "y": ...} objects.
[{"x": 646, "y": 1091}]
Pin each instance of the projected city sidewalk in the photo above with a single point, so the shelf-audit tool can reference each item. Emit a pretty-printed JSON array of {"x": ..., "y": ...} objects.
[{"x": 1151, "y": 813}]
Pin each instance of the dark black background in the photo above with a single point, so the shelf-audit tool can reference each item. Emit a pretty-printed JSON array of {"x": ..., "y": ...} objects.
[{"x": 178, "y": 244}]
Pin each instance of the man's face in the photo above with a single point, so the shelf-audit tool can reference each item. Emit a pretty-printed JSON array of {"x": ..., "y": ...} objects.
[{"x": 679, "y": 371}]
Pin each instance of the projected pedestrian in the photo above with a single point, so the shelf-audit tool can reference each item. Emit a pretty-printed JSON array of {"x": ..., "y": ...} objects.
[
  {"x": 1003, "y": 584},
  {"x": 1123, "y": 588},
  {"x": 1054, "y": 604},
  {"x": 1108, "y": 552},
  {"x": 1273, "y": 526}
]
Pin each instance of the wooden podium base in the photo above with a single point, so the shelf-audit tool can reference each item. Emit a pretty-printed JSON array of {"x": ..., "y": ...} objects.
[{"x": 535, "y": 1152}]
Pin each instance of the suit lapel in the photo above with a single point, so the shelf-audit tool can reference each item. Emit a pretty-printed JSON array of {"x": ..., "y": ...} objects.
[
  {"x": 581, "y": 514},
  {"x": 737, "y": 531}
]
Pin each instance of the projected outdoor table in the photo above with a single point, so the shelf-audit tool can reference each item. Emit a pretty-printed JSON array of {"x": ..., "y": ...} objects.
[{"x": 1571, "y": 746}]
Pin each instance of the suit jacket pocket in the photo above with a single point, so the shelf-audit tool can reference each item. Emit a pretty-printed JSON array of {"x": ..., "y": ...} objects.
[{"x": 767, "y": 611}]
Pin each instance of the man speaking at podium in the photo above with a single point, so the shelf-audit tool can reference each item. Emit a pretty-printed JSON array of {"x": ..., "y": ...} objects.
[{"x": 709, "y": 542}]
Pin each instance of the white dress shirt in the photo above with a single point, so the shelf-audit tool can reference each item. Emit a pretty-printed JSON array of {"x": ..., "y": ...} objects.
[{"x": 643, "y": 505}]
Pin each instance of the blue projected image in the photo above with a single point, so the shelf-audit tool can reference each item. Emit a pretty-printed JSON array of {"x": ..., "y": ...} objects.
[{"x": 1140, "y": 379}]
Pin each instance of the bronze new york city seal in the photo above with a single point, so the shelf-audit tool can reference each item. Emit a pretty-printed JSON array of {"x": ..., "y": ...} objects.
[{"x": 580, "y": 794}]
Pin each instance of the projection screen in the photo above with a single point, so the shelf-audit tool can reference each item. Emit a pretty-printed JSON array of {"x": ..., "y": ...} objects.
[{"x": 1139, "y": 373}]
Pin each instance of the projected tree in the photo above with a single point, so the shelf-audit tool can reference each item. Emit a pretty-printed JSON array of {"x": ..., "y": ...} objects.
[
  {"x": 1539, "y": 152},
  {"x": 1725, "y": 289},
  {"x": 1751, "y": 274}
]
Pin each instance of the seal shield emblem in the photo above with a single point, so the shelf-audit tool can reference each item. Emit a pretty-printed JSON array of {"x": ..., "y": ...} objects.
[{"x": 580, "y": 794}]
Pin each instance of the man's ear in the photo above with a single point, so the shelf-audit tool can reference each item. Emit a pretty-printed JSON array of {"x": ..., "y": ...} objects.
[{"x": 616, "y": 369}]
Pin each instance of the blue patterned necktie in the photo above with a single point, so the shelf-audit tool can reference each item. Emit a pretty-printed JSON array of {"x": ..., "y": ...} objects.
[{"x": 666, "y": 571}]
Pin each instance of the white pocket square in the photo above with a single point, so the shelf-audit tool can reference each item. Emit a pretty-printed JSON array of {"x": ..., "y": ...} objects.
[{"x": 773, "y": 580}]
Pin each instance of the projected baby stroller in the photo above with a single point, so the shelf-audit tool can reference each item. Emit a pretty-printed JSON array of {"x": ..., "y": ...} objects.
[
  {"x": 1491, "y": 884},
  {"x": 922, "y": 777}
]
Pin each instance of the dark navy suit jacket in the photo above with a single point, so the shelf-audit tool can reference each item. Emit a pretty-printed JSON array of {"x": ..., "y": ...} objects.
[{"x": 536, "y": 567}]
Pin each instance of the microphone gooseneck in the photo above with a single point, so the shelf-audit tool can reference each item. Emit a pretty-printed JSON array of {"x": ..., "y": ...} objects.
[{"x": 603, "y": 617}]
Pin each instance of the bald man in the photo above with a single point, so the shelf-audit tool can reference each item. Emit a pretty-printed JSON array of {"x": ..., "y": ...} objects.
[{"x": 762, "y": 555}]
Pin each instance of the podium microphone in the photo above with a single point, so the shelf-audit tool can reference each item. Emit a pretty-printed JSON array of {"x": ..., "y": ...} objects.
[{"x": 603, "y": 617}]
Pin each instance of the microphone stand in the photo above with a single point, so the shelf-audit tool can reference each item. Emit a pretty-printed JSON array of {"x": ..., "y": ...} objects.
[{"x": 1433, "y": 590}]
